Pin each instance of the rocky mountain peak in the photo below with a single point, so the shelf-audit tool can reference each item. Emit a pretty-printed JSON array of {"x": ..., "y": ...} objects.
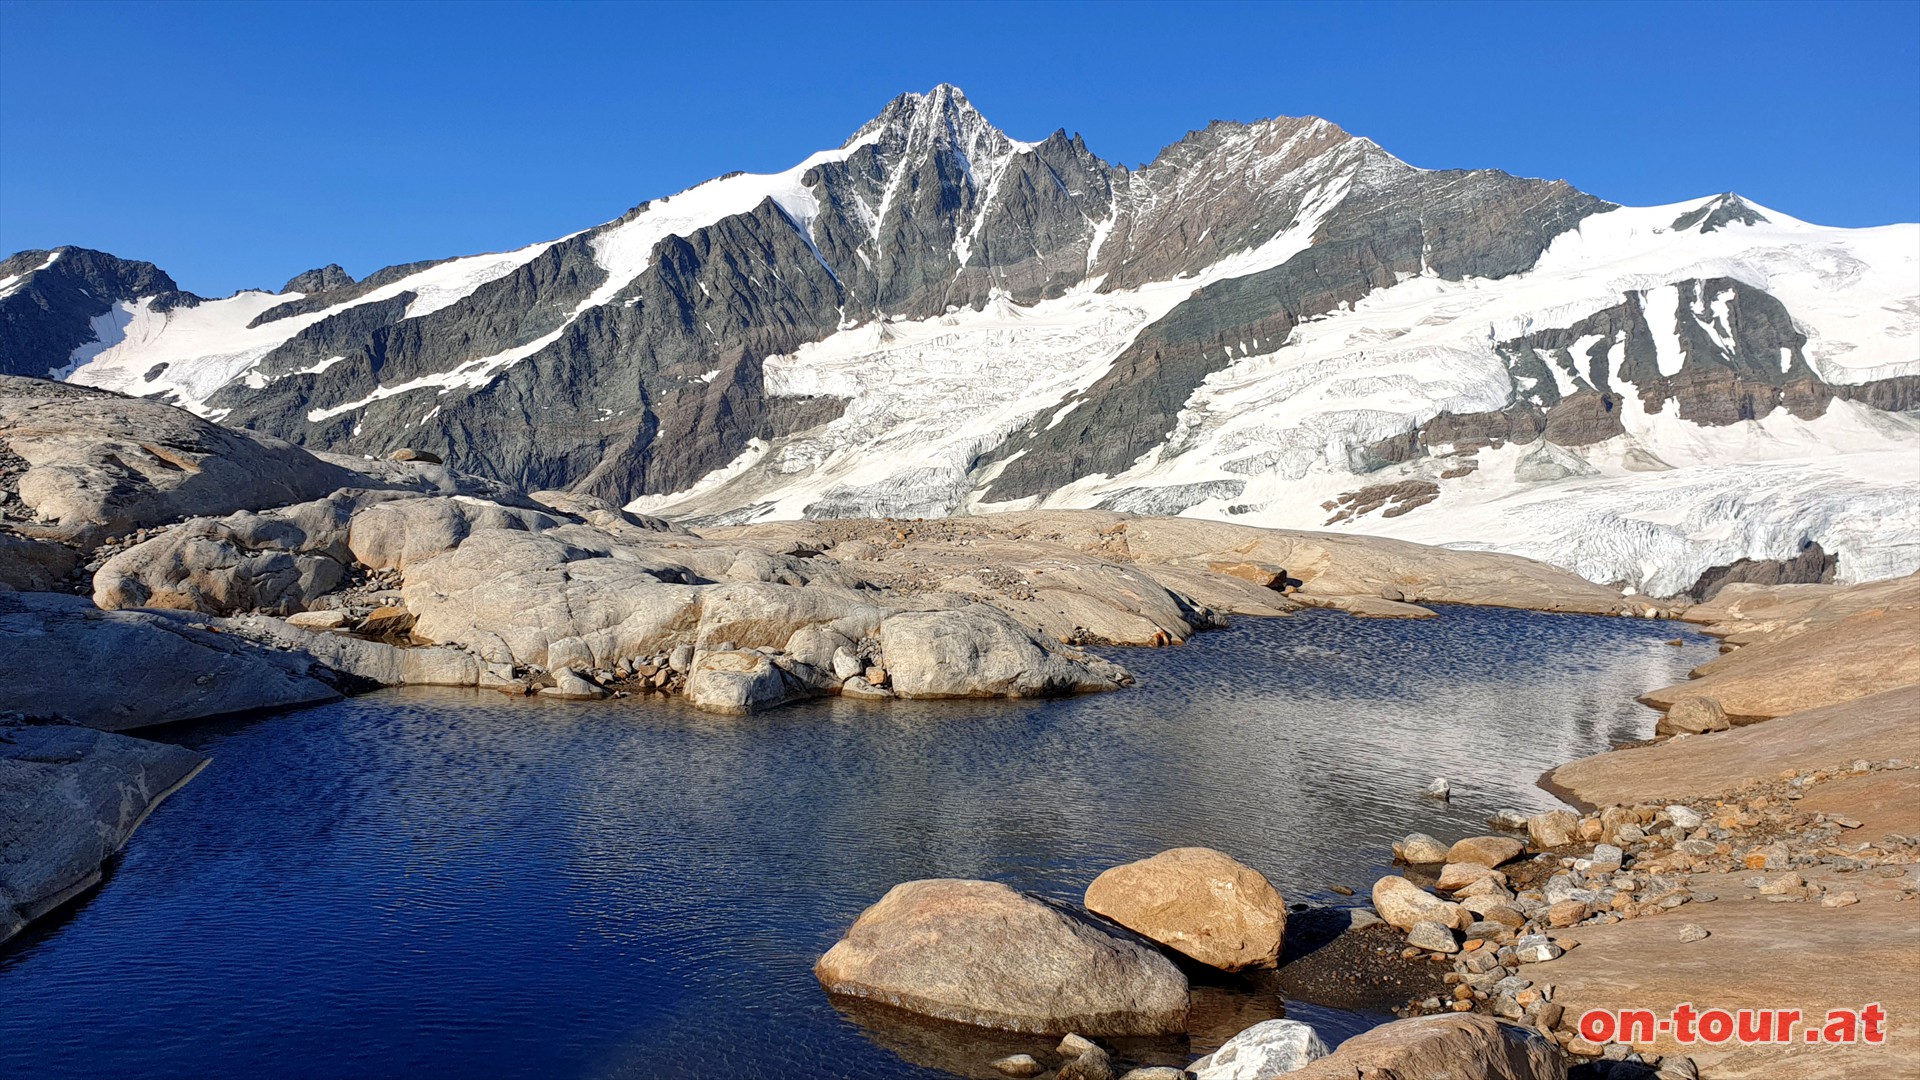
[
  {"x": 1718, "y": 213},
  {"x": 916, "y": 125},
  {"x": 330, "y": 276}
]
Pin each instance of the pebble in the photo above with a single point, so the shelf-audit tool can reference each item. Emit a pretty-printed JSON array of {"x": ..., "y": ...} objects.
[
  {"x": 1536, "y": 949},
  {"x": 1020, "y": 1065},
  {"x": 1606, "y": 858},
  {"x": 1692, "y": 932},
  {"x": 1566, "y": 913},
  {"x": 1840, "y": 899},
  {"x": 1074, "y": 1045}
]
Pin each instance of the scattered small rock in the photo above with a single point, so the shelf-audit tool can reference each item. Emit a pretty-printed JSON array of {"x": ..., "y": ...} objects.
[{"x": 1019, "y": 1065}]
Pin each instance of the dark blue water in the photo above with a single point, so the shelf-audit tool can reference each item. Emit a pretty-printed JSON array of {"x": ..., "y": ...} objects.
[{"x": 449, "y": 884}]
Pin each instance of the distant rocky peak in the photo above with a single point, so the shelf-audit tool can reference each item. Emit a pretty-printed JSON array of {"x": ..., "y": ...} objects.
[
  {"x": 916, "y": 125},
  {"x": 1719, "y": 212},
  {"x": 330, "y": 276}
]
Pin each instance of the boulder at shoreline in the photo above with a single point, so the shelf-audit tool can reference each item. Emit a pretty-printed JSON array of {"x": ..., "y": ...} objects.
[
  {"x": 981, "y": 953},
  {"x": 1205, "y": 904}
]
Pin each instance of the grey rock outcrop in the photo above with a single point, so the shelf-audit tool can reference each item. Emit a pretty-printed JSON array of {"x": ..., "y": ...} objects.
[
  {"x": 323, "y": 279},
  {"x": 33, "y": 565},
  {"x": 969, "y": 653},
  {"x": 163, "y": 667},
  {"x": 69, "y": 798},
  {"x": 98, "y": 464},
  {"x": 743, "y": 681}
]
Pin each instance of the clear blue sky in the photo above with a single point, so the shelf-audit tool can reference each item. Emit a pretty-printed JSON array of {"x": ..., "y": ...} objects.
[{"x": 237, "y": 144}]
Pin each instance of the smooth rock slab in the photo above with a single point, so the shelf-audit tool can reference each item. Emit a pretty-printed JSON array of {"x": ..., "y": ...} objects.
[
  {"x": 69, "y": 798},
  {"x": 64, "y": 659},
  {"x": 980, "y": 953},
  {"x": 100, "y": 464},
  {"x": 1266, "y": 1049},
  {"x": 1201, "y": 902}
]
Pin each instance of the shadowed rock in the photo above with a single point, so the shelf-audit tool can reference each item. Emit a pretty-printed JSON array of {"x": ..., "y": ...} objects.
[{"x": 69, "y": 798}]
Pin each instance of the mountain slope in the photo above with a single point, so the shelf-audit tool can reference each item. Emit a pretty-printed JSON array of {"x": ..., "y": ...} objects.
[{"x": 1277, "y": 322}]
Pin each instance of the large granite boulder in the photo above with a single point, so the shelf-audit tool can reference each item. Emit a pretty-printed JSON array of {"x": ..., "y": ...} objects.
[
  {"x": 66, "y": 660},
  {"x": 208, "y": 565},
  {"x": 69, "y": 798},
  {"x": 976, "y": 652},
  {"x": 99, "y": 464},
  {"x": 1203, "y": 903},
  {"x": 1458, "y": 1046},
  {"x": 980, "y": 953},
  {"x": 1693, "y": 716}
]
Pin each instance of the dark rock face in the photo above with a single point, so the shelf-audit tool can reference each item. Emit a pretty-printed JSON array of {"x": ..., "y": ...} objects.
[
  {"x": 327, "y": 277},
  {"x": 1395, "y": 221},
  {"x": 49, "y": 313},
  {"x": 1811, "y": 566},
  {"x": 1728, "y": 209},
  {"x": 1732, "y": 354}
]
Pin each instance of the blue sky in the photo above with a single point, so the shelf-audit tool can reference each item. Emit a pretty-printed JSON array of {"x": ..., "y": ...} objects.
[{"x": 236, "y": 145}]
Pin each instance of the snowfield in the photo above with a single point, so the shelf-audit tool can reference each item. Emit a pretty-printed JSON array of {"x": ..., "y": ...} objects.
[{"x": 1270, "y": 438}]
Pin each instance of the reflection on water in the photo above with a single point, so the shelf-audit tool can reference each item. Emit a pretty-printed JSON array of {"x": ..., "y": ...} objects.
[{"x": 444, "y": 883}]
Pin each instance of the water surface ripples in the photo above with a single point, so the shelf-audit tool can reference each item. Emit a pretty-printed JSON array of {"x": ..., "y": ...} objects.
[{"x": 439, "y": 883}]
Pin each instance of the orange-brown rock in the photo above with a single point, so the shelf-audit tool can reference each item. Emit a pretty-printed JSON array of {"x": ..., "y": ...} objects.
[
  {"x": 1485, "y": 850},
  {"x": 1200, "y": 902}
]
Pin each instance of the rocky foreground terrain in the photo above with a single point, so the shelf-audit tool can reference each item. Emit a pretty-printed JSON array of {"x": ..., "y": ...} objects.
[{"x": 156, "y": 567}]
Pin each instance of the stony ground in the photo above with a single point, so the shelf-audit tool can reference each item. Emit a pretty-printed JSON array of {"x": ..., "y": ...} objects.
[{"x": 1774, "y": 864}]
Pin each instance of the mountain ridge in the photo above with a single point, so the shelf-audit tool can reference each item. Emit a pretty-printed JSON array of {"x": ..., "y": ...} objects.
[{"x": 726, "y": 350}]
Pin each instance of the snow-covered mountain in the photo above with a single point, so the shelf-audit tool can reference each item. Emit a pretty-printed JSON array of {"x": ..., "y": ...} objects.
[{"x": 1276, "y": 323}]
